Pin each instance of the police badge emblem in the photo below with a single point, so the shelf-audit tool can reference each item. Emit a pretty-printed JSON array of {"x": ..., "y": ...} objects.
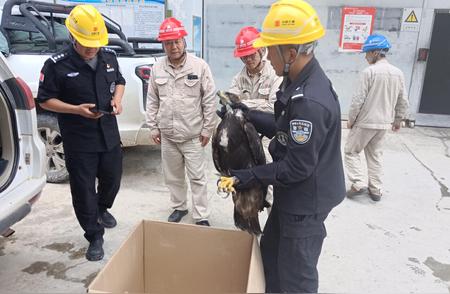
[
  {"x": 300, "y": 130},
  {"x": 112, "y": 87}
]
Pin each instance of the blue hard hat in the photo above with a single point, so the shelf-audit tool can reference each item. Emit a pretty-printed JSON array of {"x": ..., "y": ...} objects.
[{"x": 376, "y": 42}]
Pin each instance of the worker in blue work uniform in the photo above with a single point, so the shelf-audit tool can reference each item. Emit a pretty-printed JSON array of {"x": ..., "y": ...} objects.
[
  {"x": 84, "y": 86},
  {"x": 307, "y": 171}
]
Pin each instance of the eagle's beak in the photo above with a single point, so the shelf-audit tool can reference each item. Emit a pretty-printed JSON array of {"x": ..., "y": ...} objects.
[{"x": 224, "y": 99}]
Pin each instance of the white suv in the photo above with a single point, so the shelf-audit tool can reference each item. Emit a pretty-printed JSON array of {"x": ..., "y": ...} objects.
[
  {"x": 33, "y": 31},
  {"x": 22, "y": 152}
]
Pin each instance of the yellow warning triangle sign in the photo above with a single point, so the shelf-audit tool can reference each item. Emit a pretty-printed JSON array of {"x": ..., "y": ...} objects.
[{"x": 411, "y": 17}]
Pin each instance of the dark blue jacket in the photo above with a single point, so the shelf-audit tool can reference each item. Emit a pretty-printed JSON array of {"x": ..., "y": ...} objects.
[{"x": 306, "y": 172}]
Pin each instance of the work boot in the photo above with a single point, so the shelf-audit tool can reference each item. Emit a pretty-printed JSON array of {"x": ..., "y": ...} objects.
[
  {"x": 374, "y": 197},
  {"x": 95, "y": 250},
  {"x": 177, "y": 215},
  {"x": 354, "y": 192},
  {"x": 107, "y": 219},
  {"x": 203, "y": 223}
]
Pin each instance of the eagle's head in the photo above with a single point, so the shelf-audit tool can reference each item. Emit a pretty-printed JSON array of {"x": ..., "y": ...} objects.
[{"x": 227, "y": 98}]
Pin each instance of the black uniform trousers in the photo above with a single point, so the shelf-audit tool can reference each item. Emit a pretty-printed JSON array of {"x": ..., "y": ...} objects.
[
  {"x": 290, "y": 249},
  {"x": 84, "y": 168}
]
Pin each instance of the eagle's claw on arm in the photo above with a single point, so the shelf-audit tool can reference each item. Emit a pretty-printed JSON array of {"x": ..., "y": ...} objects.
[{"x": 226, "y": 184}]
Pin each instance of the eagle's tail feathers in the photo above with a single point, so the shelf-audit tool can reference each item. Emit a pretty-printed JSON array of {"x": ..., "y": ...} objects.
[{"x": 250, "y": 225}]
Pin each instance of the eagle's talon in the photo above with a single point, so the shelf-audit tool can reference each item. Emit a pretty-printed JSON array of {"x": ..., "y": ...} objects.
[{"x": 221, "y": 192}]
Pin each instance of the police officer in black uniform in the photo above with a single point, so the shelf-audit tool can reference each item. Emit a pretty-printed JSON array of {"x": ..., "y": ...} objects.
[
  {"x": 306, "y": 172},
  {"x": 84, "y": 86}
]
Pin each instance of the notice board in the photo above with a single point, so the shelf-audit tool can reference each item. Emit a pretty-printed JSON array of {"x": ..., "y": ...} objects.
[{"x": 356, "y": 26}]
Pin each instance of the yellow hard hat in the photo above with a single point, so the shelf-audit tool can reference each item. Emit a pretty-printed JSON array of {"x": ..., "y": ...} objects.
[
  {"x": 290, "y": 22},
  {"x": 87, "y": 26}
]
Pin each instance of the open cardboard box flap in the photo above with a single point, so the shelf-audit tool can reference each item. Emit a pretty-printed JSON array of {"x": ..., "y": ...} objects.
[{"x": 166, "y": 257}]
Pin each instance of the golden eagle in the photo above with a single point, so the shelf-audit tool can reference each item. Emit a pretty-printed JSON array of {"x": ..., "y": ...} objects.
[{"x": 237, "y": 145}]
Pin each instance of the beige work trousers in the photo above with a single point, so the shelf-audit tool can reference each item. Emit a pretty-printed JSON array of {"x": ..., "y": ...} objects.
[
  {"x": 179, "y": 159},
  {"x": 371, "y": 141}
]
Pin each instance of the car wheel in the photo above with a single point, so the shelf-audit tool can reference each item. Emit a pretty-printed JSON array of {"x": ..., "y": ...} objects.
[{"x": 48, "y": 130}]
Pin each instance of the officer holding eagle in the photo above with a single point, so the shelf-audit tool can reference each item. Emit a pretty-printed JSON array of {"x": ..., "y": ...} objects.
[{"x": 306, "y": 172}]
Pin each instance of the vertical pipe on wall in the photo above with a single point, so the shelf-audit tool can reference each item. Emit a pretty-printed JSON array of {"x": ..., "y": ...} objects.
[
  {"x": 203, "y": 29},
  {"x": 415, "y": 59}
]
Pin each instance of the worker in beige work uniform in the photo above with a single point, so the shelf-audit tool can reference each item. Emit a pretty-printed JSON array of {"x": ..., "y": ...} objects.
[
  {"x": 181, "y": 116},
  {"x": 256, "y": 84},
  {"x": 379, "y": 103}
]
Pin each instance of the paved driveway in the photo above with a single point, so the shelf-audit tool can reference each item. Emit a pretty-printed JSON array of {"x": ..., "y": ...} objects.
[{"x": 401, "y": 244}]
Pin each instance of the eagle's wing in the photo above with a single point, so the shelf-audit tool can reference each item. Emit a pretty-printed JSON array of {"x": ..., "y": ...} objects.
[
  {"x": 254, "y": 142},
  {"x": 215, "y": 151}
]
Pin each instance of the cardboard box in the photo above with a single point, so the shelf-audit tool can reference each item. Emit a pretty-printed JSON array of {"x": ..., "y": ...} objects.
[{"x": 166, "y": 257}]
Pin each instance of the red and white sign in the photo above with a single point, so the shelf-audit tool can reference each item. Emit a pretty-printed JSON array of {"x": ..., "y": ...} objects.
[{"x": 356, "y": 26}]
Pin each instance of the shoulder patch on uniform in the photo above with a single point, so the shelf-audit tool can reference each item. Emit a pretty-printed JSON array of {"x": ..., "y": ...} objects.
[
  {"x": 58, "y": 56},
  {"x": 109, "y": 50},
  {"x": 301, "y": 130}
]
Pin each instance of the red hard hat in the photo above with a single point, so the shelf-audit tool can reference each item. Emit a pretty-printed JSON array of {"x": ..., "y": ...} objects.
[
  {"x": 171, "y": 29},
  {"x": 244, "y": 42}
]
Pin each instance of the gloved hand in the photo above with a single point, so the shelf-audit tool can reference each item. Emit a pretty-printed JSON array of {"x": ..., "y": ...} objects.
[
  {"x": 244, "y": 178},
  {"x": 240, "y": 179},
  {"x": 221, "y": 113},
  {"x": 223, "y": 110},
  {"x": 240, "y": 106},
  {"x": 264, "y": 122},
  {"x": 226, "y": 184}
]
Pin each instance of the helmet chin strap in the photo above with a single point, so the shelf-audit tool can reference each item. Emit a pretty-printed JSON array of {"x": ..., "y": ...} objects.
[
  {"x": 287, "y": 66},
  {"x": 184, "y": 50},
  {"x": 261, "y": 56},
  {"x": 376, "y": 56},
  {"x": 72, "y": 39},
  {"x": 259, "y": 66}
]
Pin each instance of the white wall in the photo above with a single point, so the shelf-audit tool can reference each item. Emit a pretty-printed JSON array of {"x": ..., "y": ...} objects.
[
  {"x": 224, "y": 18},
  {"x": 418, "y": 76},
  {"x": 184, "y": 10}
]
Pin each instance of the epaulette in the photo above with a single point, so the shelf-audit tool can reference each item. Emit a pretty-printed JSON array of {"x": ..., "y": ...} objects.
[
  {"x": 298, "y": 92},
  {"x": 59, "y": 56},
  {"x": 109, "y": 50}
]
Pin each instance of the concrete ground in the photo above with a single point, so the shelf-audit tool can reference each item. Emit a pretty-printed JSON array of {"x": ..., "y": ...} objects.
[{"x": 401, "y": 244}]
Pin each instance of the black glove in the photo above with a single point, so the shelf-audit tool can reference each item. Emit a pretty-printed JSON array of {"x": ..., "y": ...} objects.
[
  {"x": 245, "y": 178},
  {"x": 240, "y": 106},
  {"x": 264, "y": 122},
  {"x": 221, "y": 113}
]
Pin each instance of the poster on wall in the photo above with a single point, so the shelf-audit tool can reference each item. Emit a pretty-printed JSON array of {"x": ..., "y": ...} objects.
[
  {"x": 357, "y": 25},
  {"x": 138, "y": 18}
]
